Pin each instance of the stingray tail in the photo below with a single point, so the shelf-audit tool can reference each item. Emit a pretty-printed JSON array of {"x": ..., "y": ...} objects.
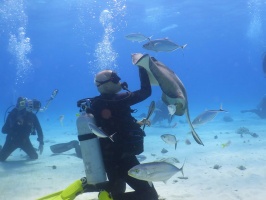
[
  {"x": 196, "y": 137},
  {"x": 194, "y": 134}
]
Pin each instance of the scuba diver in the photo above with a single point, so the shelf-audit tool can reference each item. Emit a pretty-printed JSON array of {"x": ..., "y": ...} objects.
[
  {"x": 260, "y": 110},
  {"x": 161, "y": 113},
  {"x": 111, "y": 112},
  {"x": 21, "y": 122}
]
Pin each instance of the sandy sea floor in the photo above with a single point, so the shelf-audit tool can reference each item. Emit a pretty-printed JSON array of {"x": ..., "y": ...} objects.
[{"x": 22, "y": 179}]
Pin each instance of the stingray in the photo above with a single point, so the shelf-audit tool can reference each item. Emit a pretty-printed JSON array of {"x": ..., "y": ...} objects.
[{"x": 173, "y": 90}]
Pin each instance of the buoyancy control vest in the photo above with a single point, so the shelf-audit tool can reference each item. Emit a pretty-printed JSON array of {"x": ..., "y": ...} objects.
[{"x": 114, "y": 116}]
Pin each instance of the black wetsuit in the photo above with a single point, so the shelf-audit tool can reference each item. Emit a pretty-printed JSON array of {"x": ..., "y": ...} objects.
[
  {"x": 113, "y": 115},
  {"x": 18, "y": 127}
]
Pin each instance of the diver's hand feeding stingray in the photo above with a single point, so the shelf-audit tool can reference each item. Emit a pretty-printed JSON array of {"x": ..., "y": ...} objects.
[{"x": 173, "y": 89}]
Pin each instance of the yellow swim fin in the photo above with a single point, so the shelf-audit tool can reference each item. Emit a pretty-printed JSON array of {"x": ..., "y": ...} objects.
[
  {"x": 69, "y": 193},
  {"x": 104, "y": 195},
  {"x": 51, "y": 196},
  {"x": 72, "y": 191}
]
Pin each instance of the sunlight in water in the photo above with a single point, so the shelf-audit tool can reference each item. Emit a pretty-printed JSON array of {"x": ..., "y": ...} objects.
[
  {"x": 15, "y": 21},
  {"x": 255, "y": 25}
]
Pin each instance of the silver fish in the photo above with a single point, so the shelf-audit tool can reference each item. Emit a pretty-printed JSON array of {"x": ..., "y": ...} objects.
[
  {"x": 96, "y": 131},
  {"x": 170, "y": 27},
  {"x": 136, "y": 37},
  {"x": 154, "y": 171},
  {"x": 169, "y": 139},
  {"x": 206, "y": 116},
  {"x": 163, "y": 44},
  {"x": 169, "y": 160},
  {"x": 150, "y": 111}
]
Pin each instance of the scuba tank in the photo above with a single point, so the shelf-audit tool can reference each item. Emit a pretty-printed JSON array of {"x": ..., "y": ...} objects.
[{"x": 90, "y": 148}]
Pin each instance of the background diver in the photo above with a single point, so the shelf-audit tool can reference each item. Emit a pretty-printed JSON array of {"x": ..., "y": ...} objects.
[{"x": 21, "y": 122}]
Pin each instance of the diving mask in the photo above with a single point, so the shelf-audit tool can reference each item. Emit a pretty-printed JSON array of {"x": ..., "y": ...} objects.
[{"x": 114, "y": 78}]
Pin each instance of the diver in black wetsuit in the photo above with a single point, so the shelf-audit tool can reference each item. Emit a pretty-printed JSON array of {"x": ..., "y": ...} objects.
[
  {"x": 112, "y": 113},
  {"x": 261, "y": 109},
  {"x": 20, "y": 124}
]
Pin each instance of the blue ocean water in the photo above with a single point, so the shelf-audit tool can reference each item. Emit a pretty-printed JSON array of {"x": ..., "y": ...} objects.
[{"x": 62, "y": 44}]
